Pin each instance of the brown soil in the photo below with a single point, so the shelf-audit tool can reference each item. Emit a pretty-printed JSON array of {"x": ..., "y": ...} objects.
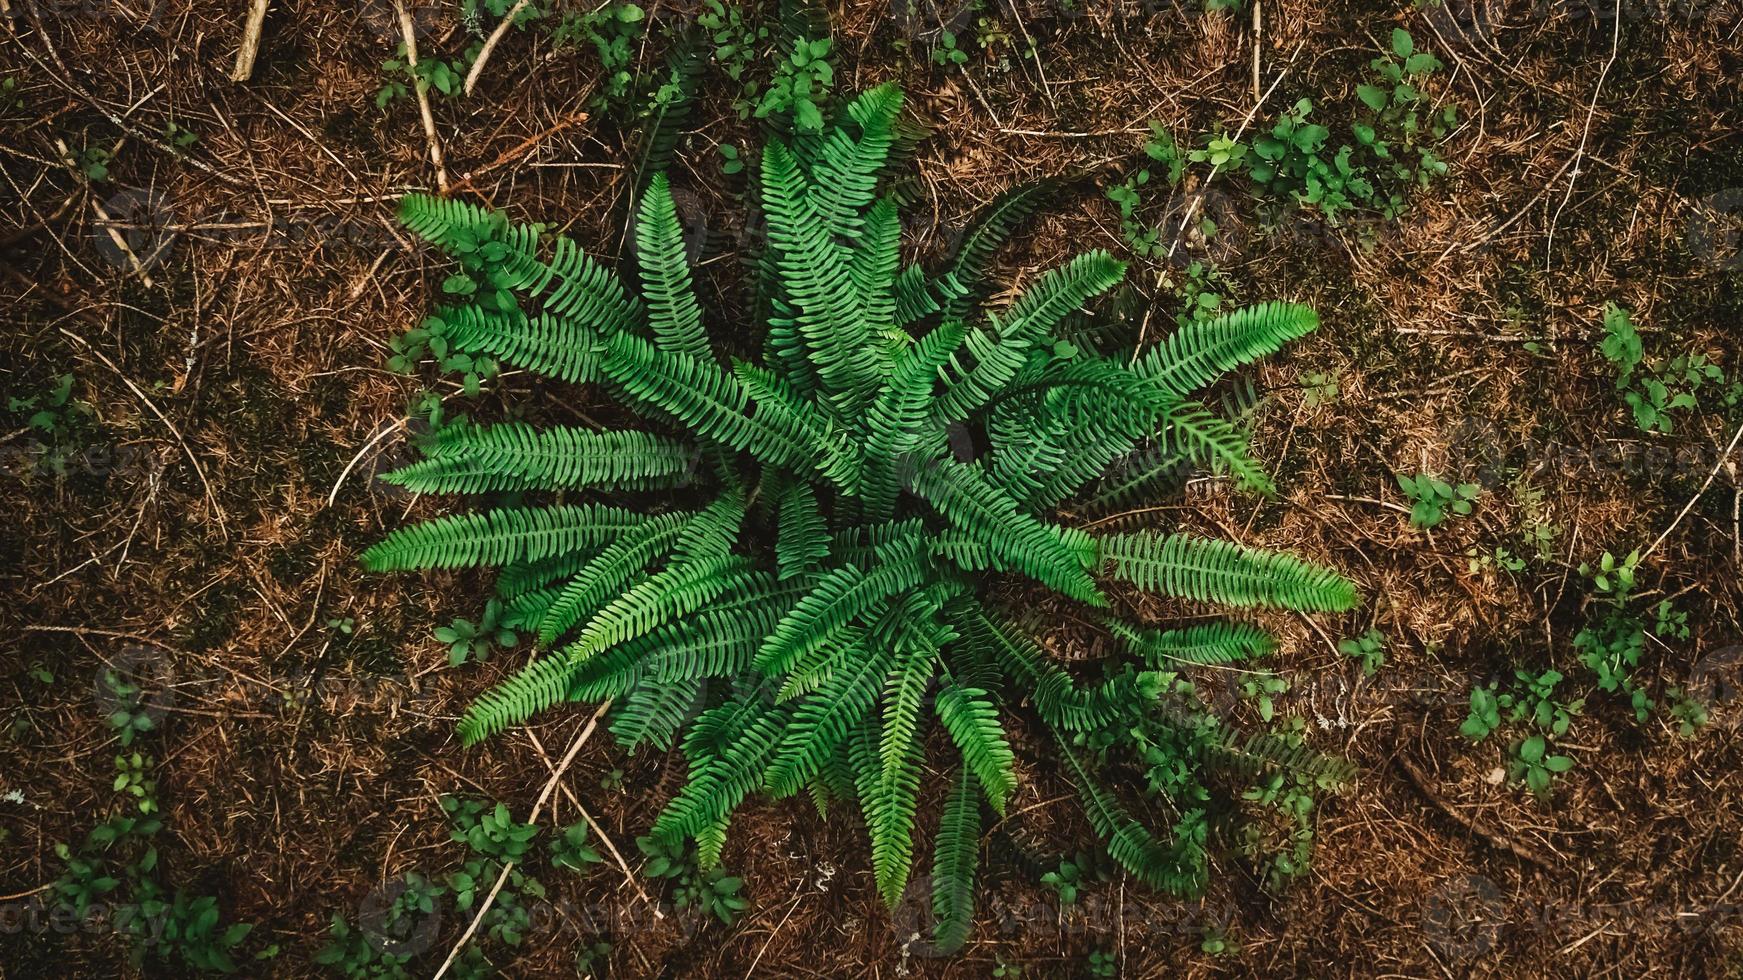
[{"x": 299, "y": 767}]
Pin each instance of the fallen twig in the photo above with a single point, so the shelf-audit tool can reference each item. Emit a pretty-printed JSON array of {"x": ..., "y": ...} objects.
[
  {"x": 517, "y": 151},
  {"x": 491, "y": 42},
  {"x": 422, "y": 89},
  {"x": 1714, "y": 475},
  {"x": 539, "y": 805},
  {"x": 1490, "y": 837},
  {"x": 1585, "y": 134},
  {"x": 250, "y": 49}
]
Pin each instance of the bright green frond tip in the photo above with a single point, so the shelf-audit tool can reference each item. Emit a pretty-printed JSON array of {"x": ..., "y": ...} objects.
[{"x": 787, "y": 574}]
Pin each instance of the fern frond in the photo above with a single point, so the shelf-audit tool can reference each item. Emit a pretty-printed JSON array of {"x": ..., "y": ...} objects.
[
  {"x": 1197, "y": 354},
  {"x": 955, "y": 859},
  {"x": 539, "y": 685},
  {"x": 607, "y": 574},
  {"x": 653, "y": 713},
  {"x": 1152, "y": 862},
  {"x": 711, "y": 840},
  {"x": 1000, "y": 351},
  {"x": 914, "y": 295},
  {"x": 873, "y": 269},
  {"x": 822, "y": 721},
  {"x": 718, "y": 642},
  {"x": 912, "y": 629},
  {"x": 801, "y": 538},
  {"x": 457, "y": 227},
  {"x": 499, "y": 537},
  {"x": 973, "y": 724},
  {"x": 835, "y": 599},
  {"x": 1056, "y": 697},
  {"x": 888, "y": 803},
  {"x": 523, "y": 577},
  {"x": 724, "y": 780},
  {"x": 1212, "y": 440},
  {"x": 965, "y": 498},
  {"x": 1207, "y": 643},
  {"x": 712, "y": 402},
  {"x": 587, "y": 293},
  {"x": 844, "y": 180},
  {"x": 554, "y": 346},
  {"x": 780, "y": 408},
  {"x": 675, "y": 591},
  {"x": 516, "y": 456},
  {"x": 990, "y": 229},
  {"x": 1209, "y": 570},
  {"x": 828, "y": 311},
  {"x": 673, "y": 315},
  {"x": 1262, "y": 752},
  {"x": 897, "y": 419}
]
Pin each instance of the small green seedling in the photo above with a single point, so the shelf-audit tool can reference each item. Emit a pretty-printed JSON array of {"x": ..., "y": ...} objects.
[
  {"x": 712, "y": 891},
  {"x": 1069, "y": 879},
  {"x": 129, "y": 718},
  {"x": 732, "y": 161},
  {"x": 1319, "y": 388},
  {"x": 133, "y": 778},
  {"x": 1431, "y": 498},
  {"x": 1369, "y": 650},
  {"x": 1691, "y": 715},
  {"x": 1217, "y": 942},
  {"x": 491, "y": 831},
  {"x": 801, "y": 84},
  {"x": 945, "y": 52},
  {"x": 570, "y": 850},
  {"x": 1537, "y": 766},
  {"x": 1262, "y": 688},
  {"x": 180, "y": 140},
  {"x": 467, "y": 640}
]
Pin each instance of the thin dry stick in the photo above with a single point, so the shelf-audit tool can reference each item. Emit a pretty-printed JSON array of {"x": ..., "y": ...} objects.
[
  {"x": 409, "y": 36},
  {"x": 217, "y": 509},
  {"x": 103, "y": 217},
  {"x": 538, "y": 805},
  {"x": 491, "y": 42},
  {"x": 383, "y": 434},
  {"x": 604, "y": 837},
  {"x": 1198, "y": 199},
  {"x": 250, "y": 49},
  {"x": 517, "y": 151},
  {"x": 1591, "y": 110},
  {"x": 1714, "y": 475}
]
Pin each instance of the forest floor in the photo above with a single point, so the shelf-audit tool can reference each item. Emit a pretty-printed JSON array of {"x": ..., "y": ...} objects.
[{"x": 187, "y": 515}]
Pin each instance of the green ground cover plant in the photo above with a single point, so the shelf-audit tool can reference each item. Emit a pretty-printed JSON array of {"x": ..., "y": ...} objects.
[{"x": 812, "y": 665}]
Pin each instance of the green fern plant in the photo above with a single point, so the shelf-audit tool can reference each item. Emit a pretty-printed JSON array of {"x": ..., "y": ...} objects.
[{"x": 802, "y": 626}]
